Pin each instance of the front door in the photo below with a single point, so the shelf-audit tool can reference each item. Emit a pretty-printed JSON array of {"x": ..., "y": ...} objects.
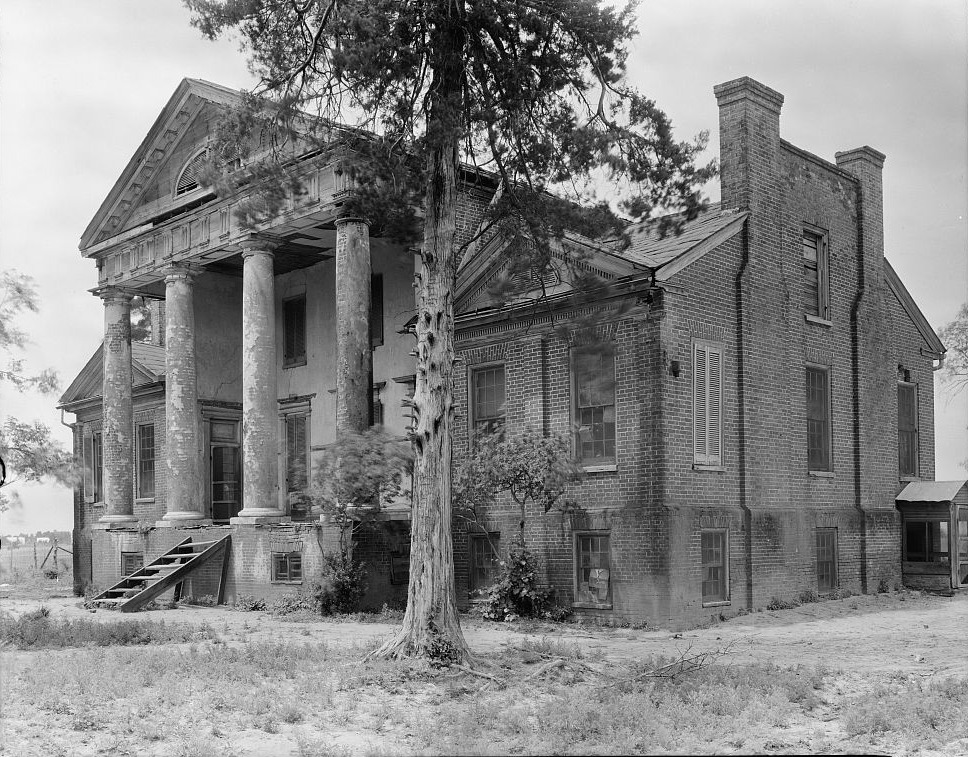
[{"x": 225, "y": 470}]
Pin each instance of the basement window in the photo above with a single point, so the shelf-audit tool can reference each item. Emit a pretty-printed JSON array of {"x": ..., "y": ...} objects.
[
  {"x": 287, "y": 567},
  {"x": 715, "y": 566},
  {"x": 826, "y": 560},
  {"x": 131, "y": 561},
  {"x": 593, "y": 587}
]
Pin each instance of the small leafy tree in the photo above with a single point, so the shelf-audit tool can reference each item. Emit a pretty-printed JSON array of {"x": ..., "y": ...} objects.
[
  {"x": 534, "y": 471},
  {"x": 28, "y": 450},
  {"x": 955, "y": 338},
  {"x": 355, "y": 476}
]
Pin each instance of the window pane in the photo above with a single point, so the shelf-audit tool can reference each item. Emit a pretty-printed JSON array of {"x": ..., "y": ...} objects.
[
  {"x": 818, "y": 420},
  {"x": 489, "y": 393},
  {"x": 146, "y": 461},
  {"x": 594, "y": 376},
  {"x": 592, "y": 568},
  {"x": 713, "y": 549},
  {"x": 485, "y": 564},
  {"x": 826, "y": 559}
]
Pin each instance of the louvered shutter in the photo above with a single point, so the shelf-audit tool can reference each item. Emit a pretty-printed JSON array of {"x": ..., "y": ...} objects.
[
  {"x": 296, "y": 472},
  {"x": 88, "y": 454},
  {"x": 707, "y": 405}
]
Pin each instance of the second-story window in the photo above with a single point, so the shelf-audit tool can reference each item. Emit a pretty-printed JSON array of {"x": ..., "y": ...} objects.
[
  {"x": 488, "y": 400},
  {"x": 294, "y": 331},
  {"x": 816, "y": 289},
  {"x": 907, "y": 430},
  {"x": 594, "y": 397}
]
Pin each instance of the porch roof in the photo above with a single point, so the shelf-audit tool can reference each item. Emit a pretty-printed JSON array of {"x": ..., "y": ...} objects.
[{"x": 930, "y": 491}]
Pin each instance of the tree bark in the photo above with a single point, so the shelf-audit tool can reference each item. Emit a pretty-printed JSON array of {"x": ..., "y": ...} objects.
[{"x": 431, "y": 628}]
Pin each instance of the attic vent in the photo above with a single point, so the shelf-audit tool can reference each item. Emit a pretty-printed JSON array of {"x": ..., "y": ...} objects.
[{"x": 188, "y": 180}]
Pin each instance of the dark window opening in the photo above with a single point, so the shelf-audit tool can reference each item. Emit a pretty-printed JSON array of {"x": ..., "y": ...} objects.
[
  {"x": 818, "y": 420},
  {"x": 826, "y": 559},
  {"x": 287, "y": 567},
  {"x": 98, "y": 466},
  {"x": 131, "y": 561},
  {"x": 146, "y": 461},
  {"x": 907, "y": 430},
  {"x": 376, "y": 309},
  {"x": 485, "y": 565},
  {"x": 592, "y": 569},
  {"x": 294, "y": 331},
  {"x": 715, "y": 581},
  {"x": 926, "y": 541}
]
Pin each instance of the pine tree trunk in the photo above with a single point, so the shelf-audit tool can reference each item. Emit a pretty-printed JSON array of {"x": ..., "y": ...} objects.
[{"x": 431, "y": 628}]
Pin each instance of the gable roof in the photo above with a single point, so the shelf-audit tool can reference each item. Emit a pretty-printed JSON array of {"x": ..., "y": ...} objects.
[
  {"x": 914, "y": 312},
  {"x": 155, "y": 148},
  {"x": 147, "y": 367}
]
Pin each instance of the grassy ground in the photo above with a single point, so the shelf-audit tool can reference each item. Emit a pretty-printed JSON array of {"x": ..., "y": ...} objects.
[{"x": 227, "y": 687}]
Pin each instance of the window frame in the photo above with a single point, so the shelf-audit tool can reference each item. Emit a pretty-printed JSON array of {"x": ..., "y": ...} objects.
[
  {"x": 822, "y": 316},
  {"x": 914, "y": 431},
  {"x": 376, "y": 310},
  {"x": 593, "y": 464},
  {"x": 131, "y": 557},
  {"x": 473, "y": 416},
  {"x": 828, "y": 419},
  {"x": 493, "y": 542},
  {"x": 291, "y": 562},
  {"x": 945, "y": 542},
  {"x": 578, "y": 568},
  {"x": 97, "y": 466},
  {"x": 706, "y": 460},
  {"x": 140, "y": 461},
  {"x": 834, "y": 561},
  {"x": 723, "y": 565},
  {"x": 290, "y": 323}
]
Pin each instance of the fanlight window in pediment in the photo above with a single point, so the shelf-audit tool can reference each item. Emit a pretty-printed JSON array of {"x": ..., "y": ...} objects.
[{"x": 188, "y": 178}]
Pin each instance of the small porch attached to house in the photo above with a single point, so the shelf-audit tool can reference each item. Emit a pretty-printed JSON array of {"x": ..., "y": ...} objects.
[{"x": 934, "y": 535}]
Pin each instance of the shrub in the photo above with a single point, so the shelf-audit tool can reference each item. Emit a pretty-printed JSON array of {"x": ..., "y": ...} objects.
[
  {"x": 345, "y": 587},
  {"x": 37, "y": 630},
  {"x": 807, "y": 596},
  {"x": 782, "y": 604},
  {"x": 294, "y": 602},
  {"x": 249, "y": 603},
  {"x": 516, "y": 593}
]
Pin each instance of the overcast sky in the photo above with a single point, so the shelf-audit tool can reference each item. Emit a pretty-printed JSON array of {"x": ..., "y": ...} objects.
[{"x": 82, "y": 81}]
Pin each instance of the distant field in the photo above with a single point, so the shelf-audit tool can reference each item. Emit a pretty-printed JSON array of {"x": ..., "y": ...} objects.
[{"x": 17, "y": 563}]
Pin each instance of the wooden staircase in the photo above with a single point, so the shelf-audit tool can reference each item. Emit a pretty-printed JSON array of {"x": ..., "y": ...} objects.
[{"x": 133, "y": 592}]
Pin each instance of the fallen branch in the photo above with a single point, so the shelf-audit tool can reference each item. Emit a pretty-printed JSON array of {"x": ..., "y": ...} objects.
[
  {"x": 545, "y": 668},
  {"x": 480, "y": 673}
]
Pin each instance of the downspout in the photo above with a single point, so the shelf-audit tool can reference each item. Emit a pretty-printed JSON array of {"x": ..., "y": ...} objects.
[
  {"x": 741, "y": 392},
  {"x": 855, "y": 389}
]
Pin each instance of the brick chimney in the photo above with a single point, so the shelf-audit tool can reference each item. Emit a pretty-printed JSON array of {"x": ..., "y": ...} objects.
[
  {"x": 866, "y": 164},
  {"x": 749, "y": 142}
]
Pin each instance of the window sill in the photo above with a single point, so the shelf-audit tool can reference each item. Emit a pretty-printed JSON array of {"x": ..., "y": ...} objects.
[
  {"x": 144, "y": 500},
  {"x": 97, "y": 504},
  {"x": 817, "y": 321},
  {"x": 604, "y": 468},
  {"x": 821, "y": 474},
  {"x": 718, "y": 603},
  {"x": 590, "y": 606},
  {"x": 908, "y": 479},
  {"x": 294, "y": 363},
  {"x": 287, "y": 583},
  {"x": 713, "y": 468}
]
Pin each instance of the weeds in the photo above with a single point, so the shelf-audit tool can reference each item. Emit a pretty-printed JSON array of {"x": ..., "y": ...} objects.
[{"x": 37, "y": 630}]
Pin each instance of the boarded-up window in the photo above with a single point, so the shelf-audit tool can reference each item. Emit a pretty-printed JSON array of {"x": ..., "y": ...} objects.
[
  {"x": 815, "y": 275},
  {"x": 715, "y": 575},
  {"x": 907, "y": 429},
  {"x": 592, "y": 569},
  {"x": 818, "y": 419},
  {"x": 376, "y": 309},
  {"x": 826, "y": 559},
  {"x": 146, "y": 461},
  {"x": 294, "y": 331},
  {"x": 594, "y": 397},
  {"x": 485, "y": 564},
  {"x": 297, "y": 453},
  {"x": 488, "y": 400},
  {"x": 287, "y": 567},
  {"x": 131, "y": 561},
  {"x": 707, "y": 404}
]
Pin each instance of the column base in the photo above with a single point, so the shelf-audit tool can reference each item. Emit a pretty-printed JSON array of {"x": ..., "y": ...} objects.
[
  {"x": 183, "y": 520},
  {"x": 108, "y": 522},
  {"x": 254, "y": 516}
]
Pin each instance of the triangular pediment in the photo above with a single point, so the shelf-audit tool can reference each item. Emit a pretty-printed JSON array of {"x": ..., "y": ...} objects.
[
  {"x": 478, "y": 279},
  {"x": 146, "y": 189},
  {"x": 147, "y": 367}
]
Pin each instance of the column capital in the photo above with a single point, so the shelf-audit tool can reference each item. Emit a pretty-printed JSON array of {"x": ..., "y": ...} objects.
[
  {"x": 259, "y": 244},
  {"x": 182, "y": 272},
  {"x": 340, "y": 220},
  {"x": 115, "y": 294}
]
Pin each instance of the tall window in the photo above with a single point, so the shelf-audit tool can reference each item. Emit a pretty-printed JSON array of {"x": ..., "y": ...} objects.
[
  {"x": 826, "y": 559},
  {"x": 489, "y": 398},
  {"x": 707, "y": 404},
  {"x": 715, "y": 576},
  {"x": 818, "y": 419},
  {"x": 594, "y": 390},
  {"x": 297, "y": 453},
  {"x": 226, "y": 469},
  {"x": 146, "y": 461},
  {"x": 484, "y": 562},
  {"x": 907, "y": 429},
  {"x": 294, "y": 331},
  {"x": 97, "y": 465},
  {"x": 815, "y": 275},
  {"x": 376, "y": 309},
  {"x": 592, "y": 569}
]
